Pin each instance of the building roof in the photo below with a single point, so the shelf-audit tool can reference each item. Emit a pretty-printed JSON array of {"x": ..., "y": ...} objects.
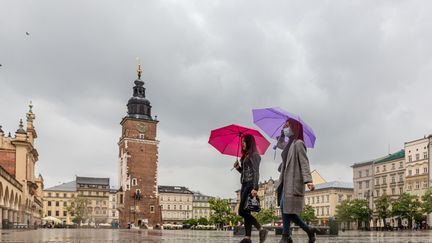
[
  {"x": 92, "y": 180},
  {"x": 359, "y": 164},
  {"x": 65, "y": 187},
  {"x": 174, "y": 189},
  {"x": 394, "y": 156},
  {"x": 334, "y": 184}
]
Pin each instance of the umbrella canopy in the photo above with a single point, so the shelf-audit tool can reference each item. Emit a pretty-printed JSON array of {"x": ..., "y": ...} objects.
[
  {"x": 51, "y": 218},
  {"x": 272, "y": 120},
  {"x": 227, "y": 140}
]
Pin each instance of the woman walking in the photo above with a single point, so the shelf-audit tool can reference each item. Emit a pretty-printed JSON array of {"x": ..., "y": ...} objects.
[
  {"x": 249, "y": 169},
  {"x": 294, "y": 175}
]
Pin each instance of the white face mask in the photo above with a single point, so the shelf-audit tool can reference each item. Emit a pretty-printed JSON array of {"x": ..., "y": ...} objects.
[{"x": 288, "y": 132}]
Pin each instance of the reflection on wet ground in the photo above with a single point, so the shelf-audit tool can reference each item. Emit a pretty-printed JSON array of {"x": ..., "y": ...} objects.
[{"x": 180, "y": 236}]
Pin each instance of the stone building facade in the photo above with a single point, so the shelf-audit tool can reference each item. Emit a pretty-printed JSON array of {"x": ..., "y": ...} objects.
[
  {"x": 176, "y": 203},
  {"x": 20, "y": 190},
  {"x": 201, "y": 206}
]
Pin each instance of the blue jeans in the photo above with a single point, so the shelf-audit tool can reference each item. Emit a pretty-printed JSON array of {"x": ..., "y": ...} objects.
[{"x": 287, "y": 218}]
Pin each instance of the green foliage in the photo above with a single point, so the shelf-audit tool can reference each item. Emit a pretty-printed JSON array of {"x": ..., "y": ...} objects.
[
  {"x": 192, "y": 222},
  {"x": 407, "y": 206},
  {"x": 203, "y": 221},
  {"x": 360, "y": 210},
  {"x": 265, "y": 216},
  {"x": 382, "y": 206},
  {"x": 427, "y": 202},
  {"x": 308, "y": 213},
  {"x": 343, "y": 211},
  {"x": 221, "y": 212},
  {"x": 78, "y": 208}
]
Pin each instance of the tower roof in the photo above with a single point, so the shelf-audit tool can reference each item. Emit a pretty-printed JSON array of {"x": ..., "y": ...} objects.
[{"x": 138, "y": 106}]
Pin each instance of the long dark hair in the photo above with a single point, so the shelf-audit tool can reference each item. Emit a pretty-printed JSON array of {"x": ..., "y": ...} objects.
[{"x": 251, "y": 147}]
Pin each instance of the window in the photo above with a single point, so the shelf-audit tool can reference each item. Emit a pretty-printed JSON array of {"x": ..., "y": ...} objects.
[
  {"x": 377, "y": 169},
  {"x": 49, "y": 194},
  {"x": 393, "y": 191},
  {"x": 410, "y": 187},
  {"x": 359, "y": 174},
  {"x": 425, "y": 155},
  {"x": 340, "y": 198},
  {"x": 417, "y": 171},
  {"x": 180, "y": 207},
  {"x": 322, "y": 198},
  {"x": 141, "y": 136},
  {"x": 401, "y": 177},
  {"x": 384, "y": 180},
  {"x": 175, "y": 207},
  {"x": 49, "y": 203},
  {"x": 134, "y": 182},
  {"x": 367, "y": 185},
  {"x": 377, "y": 193},
  {"x": 425, "y": 170},
  {"x": 410, "y": 158},
  {"x": 384, "y": 168},
  {"x": 313, "y": 200},
  {"x": 57, "y": 213},
  {"x": 169, "y": 207},
  {"x": 367, "y": 172},
  {"x": 410, "y": 172},
  {"x": 417, "y": 156},
  {"x": 376, "y": 181},
  {"x": 400, "y": 190},
  {"x": 417, "y": 185},
  {"x": 64, "y": 213},
  {"x": 425, "y": 184},
  {"x": 318, "y": 199},
  {"x": 57, "y": 195},
  {"x": 57, "y": 204},
  {"x": 400, "y": 164},
  {"x": 393, "y": 179},
  {"x": 360, "y": 185},
  {"x": 113, "y": 214},
  {"x": 308, "y": 200},
  {"x": 384, "y": 191},
  {"x": 121, "y": 198},
  {"x": 65, "y": 204},
  {"x": 49, "y": 213}
]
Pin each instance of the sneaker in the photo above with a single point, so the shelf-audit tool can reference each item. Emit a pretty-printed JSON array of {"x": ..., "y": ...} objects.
[{"x": 263, "y": 235}]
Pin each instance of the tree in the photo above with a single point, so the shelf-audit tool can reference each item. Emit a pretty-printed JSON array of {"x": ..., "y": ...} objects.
[
  {"x": 360, "y": 211},
  {"x": 407, "y": 206},
  {"x": 221, "y": 211},
  {"x": 308, "y": 214},
  {"x": 343, "y": 212},
  {"x": 265, "y": 216},
  {"x": 382, "y": 205},
  {"x": 192, "y": 222},
  {"x": 427, "y": 202},
  {"x": 78, "y": 208},
  {"x": 203, "y": 221}
]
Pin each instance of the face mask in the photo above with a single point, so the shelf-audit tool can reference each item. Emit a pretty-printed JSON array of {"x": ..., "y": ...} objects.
[{"x": 288, "y": 132}]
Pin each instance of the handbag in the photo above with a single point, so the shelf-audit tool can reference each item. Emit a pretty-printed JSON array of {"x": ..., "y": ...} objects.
[{"x": 252, "y": 204}]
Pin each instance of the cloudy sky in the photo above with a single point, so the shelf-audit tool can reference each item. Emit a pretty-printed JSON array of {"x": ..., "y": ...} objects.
[{"x": 359, "y": 72}]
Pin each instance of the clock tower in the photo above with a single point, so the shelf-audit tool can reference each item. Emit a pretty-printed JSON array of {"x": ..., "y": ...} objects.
[{"x": 138, "y": 200}]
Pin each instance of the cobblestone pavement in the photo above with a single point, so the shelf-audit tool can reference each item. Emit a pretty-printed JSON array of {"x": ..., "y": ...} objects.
[{"x": 180, "y": 236}]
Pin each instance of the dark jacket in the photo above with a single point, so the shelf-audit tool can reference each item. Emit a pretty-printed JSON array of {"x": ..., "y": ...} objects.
[{"x": 249, "y": 169}]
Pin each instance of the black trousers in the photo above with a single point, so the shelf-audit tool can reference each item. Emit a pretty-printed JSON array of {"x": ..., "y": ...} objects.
[{"x": 249, "y": 220}]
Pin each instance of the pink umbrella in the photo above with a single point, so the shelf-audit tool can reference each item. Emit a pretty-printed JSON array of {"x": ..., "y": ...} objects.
[{"x": 227, "y": 140}]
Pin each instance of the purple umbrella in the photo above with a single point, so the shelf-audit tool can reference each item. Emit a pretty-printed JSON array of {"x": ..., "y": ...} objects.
[{"x": 272, "y": 120}]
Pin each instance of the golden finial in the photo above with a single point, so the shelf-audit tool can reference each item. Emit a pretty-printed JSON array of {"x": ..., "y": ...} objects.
[{"x": 139, "y": 70}]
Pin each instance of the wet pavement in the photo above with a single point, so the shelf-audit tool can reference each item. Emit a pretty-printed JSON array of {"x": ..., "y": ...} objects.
[{"x": 177, "y": 236}]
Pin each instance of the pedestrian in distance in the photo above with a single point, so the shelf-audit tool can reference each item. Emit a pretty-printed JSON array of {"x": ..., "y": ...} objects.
[
  {"x": 294, "y": 175},
  {"x": 249, "y": 170}
]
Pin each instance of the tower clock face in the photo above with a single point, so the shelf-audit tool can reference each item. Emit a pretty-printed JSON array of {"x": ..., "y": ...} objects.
[{"x": 142, "y": 127}]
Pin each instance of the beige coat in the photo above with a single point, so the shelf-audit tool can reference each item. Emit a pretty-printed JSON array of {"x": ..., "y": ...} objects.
[{"x": 295, "y": 173}]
